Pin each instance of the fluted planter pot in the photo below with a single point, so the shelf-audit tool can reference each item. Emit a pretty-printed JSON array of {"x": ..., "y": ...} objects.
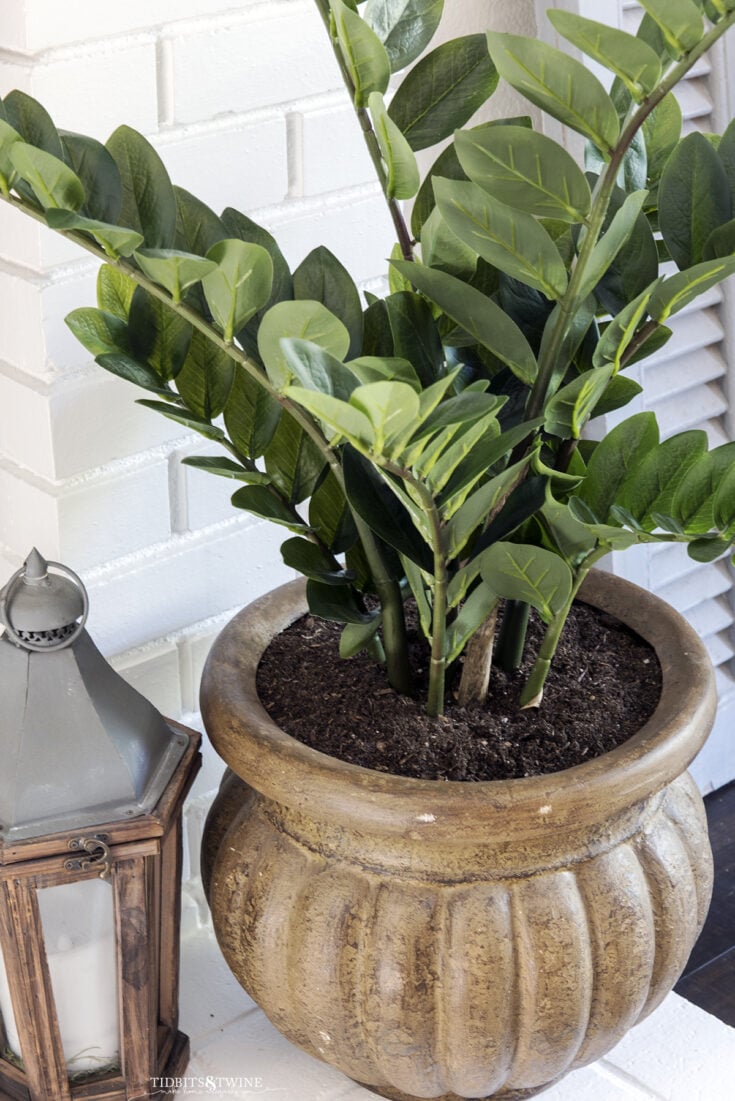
[{"x": 457, "y": 940}]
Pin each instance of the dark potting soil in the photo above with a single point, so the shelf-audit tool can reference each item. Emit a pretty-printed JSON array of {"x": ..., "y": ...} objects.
[{"x": 604, "y": 684}]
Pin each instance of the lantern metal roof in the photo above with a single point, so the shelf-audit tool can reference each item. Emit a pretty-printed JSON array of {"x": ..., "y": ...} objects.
[{"x": 79, "y": 746}]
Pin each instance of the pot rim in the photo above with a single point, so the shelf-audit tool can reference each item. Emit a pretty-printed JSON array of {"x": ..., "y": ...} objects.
[{"x": 291, "y": 773}]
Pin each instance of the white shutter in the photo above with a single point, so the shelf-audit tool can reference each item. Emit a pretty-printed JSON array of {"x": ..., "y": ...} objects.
[{"x": 688, "y": 384}]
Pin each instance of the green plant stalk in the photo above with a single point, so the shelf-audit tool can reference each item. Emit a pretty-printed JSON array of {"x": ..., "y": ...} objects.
[
  {"x": 570, "y": 300},
  {"x": 395, "y": 640},
  {"x": 512, "y": 635},
  {"x": 403, "y": 235}
]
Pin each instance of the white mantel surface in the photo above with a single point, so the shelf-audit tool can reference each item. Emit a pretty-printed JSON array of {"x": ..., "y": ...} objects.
[{"x": 680, "y": 1053}]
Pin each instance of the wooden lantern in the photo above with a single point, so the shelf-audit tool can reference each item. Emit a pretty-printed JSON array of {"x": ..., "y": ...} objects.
[{"x": 90, "y": 887}]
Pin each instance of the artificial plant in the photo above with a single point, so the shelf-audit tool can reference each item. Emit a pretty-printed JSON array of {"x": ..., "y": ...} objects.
[{"x": 432, "y": 441}]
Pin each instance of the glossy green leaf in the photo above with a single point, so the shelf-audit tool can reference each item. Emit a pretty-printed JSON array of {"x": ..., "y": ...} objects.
[
  {"x": 473, "y": 613},
  {"x": 173, "y": 270},
  {"x": 617, "y": 394},
  {"x": 443, "y": 91},
  {"x": 330, "y": 515},
  {"x": 8, "y": 138},
  {"x": 98, "y": 331},
  {"x": 239, "y": 285},
  {"x": 723, "y": 508},
  {"x": 53, "y": 183},
  {"x": 293, "y": 462},
  {"x": 441, "y": 249},
  {"x": 114, "y": 291},
  {"x": 356, "y": 637},
  {"x": 158, "y": 335},
  {"x": 615, "y": 458},
  {"x": 721, "y": 242},
  {"x": 32, "y": 121},
  {"x": 637, "y": 65},
  {"x": 336, "y": 603},
  {"x": 415, "y": 335},
  {"x": 531, "y": 574},
  {"x": 634, "y": 267},
  {"x": 486, "y": 322},
  {"x": 375, "y": 368},
  {"x": 245, "y": 229},
  {"x": 226, "y": 468},
  {"x": 557, "y": 83},
  {"x": 661, "y": 131},
  {"x": 405, "y": 27},
  {"x": 98, "y": 173},
  {"x": 316, "y": 369},
  {"x": 261, "y": 501},
  {"x": 526, "y": 170},
  {"x": 446, "y": 166},
  {"x": 197, "y": 226},
  {"x": 303, "y": 320},
  {"x": 116, "y": 242},
  {"x": 651, "y": 487},
  {"x": 693, "y": 504},
  {"x": 402, "y": 177},
  {"x": 478, "y": 507},
  {"x": 365, "y": 57},
  {"x": 679, "y": 290},
  {"x": 341, "y": 417},
  {"x": 612, "y": 241},
  {"x": 393, "y": 411},
  {"x": 508, "y": 239},
  {"x": 251, "y": 415},
  {"x": 439, "y": 471},
  {"x": 680, "y": 22},
  {"x": 205, "y": 380},
  {"x": 573, "y": 539},
  {"x": 569, "y": 410},
  {"x": 149, "y": 202},
  {"x": 186, "y": 419},
  {"x": 619, "y": 333},
  {"x": 380, "y": 508},
  {"x": 693, "y": 199},
  {"x": 129, "y": 369},
  {"x": 321, "y": 277}
]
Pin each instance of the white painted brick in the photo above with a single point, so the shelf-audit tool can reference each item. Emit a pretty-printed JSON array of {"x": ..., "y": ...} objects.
[
  {"x": 22, "y": 342},
  {"x": 25, "y": 426},
  {"x": 244, "y": 166},
  {"x": 194, "y": 650},
  {"x": 134, "y": 600},
  {"x": 357, "y": 229},
  {"x": 28, "y": 517},
  {"x": 93, "y": 90},
  {"x": 33, "y": 25},
  {"x": 334, "y": 153},
  {"x": 26, "y": 242},
  {"x": 154, "y": 671},
  {"x": 204, "y": 498},
  {"x": 281, "y": 57}
]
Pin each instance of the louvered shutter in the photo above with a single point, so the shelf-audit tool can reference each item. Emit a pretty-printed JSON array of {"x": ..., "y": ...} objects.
[{"x": 688, "y": 384}]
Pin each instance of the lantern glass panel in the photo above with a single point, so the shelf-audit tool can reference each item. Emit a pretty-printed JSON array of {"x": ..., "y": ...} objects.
[{"x": 79, "y": 933}]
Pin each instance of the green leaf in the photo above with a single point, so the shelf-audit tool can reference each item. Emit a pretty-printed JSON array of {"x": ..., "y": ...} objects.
[
  {"x": 356, "y": 637},
  {"x": 402, "y": 177},
  {"x": 365, "y": 57},
  {"x": 415, "y": 336},
  {"x": 693, "y": 199},
  {"x": 343, "y": 418},
  {"x": 619, "y": 454},
  {"x": 531, "y": 574},
  {"x": 115, "y": 241},
  {"x": 405, "y": 27},
  {"x": 33, "y": 122},
  {"x": 330, "y": 516},
  {"x": 293, "y": 462},
  {"x": 526, "y": 170},
  {"x": 303, "y": 320},
  {"x": 251, "y": 415},
  {"x": 621, "y": 330},
  {"x": 679, "y": 290},
  {"x": 726, "y": 152},
  {"x": 380, "y": 508},
  {"x": 573, "y": 539},
  {"x": 226, "y": 468},
  {"x": 661, "y": 133},
  {"x": 617, "y": 394},
  {"x": 173, "y": 270},
  {"x": 188, "y": 420},
  {"x": 115, "y": 291},
  {"x": 205, "y": 380},
  {"x": 478, "y": 315},
  {"x": 723, "y": 508},
  {"x": 693, "y": 505},
  {"x": 127, "y": 368},
  {"x": 197, "y": 226},
  {"x": 98, "y": 331},
  {"x": 473, "y": 613},
  {"x": 508, "y": 239},
  {"x": 98, "y": 174},
  {"x": 634, "y": 267},
  {"x": 263, "y": 502},
  {"x": 652, "y": 485},
  {"x": 158, "y": 335},
  {"x": 336, "y": 603},
  {"x": 393, "y": 368},
  {"x": 320, "y": 277},
  {"x": 708, "y": 549},
  {"x": 8, "y": 138},
  {"x": 569, "y": 410},
  {"x": 637, "y": 65},
  {"x": 721, "y": 242},
  {"x": 439, "y": 471},
  {"x": 148, "y": 199},
  {"x": 393, "y": 411},
  {"x": 239, "y": 285},
  {"x": 53, "y": 183},
  {"x": 680, "y": 22},
  {"x": 479, "y": 505},
  {"x": 316, "y": 369},
  {"x": 245, "y": 229},
  {"x": 611, "y": 242},
  {"x": 310, "y": 560},
  {"x": 441, "y": 249},
  {"x": 559, "y": 84},
  {"x": 443, "y": 91}
]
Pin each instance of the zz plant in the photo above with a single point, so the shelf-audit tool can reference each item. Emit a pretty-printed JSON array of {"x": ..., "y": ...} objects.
[{"x": 433, "y": 442}]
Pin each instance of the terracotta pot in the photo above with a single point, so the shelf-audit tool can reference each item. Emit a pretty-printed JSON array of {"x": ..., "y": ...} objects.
[{"x": 452, "y": 940}]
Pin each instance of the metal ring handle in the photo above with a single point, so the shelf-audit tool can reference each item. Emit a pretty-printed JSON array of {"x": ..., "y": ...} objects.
[{"x": 24, "y": 643}]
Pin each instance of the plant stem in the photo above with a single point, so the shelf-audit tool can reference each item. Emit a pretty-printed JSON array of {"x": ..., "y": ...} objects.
[
  {"x": 363, "y": 116},
  {"x": 478, "y": 663},
  {"x": 391, "y": 602},
  {"x": 512, "y": 636}
]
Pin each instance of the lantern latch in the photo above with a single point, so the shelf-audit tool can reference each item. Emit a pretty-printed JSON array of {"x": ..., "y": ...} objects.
[{"x": 98, "y": 858}]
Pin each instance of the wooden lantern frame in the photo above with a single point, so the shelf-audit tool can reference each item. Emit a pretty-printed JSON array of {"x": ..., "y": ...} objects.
[{"x": 142, "y": 859}]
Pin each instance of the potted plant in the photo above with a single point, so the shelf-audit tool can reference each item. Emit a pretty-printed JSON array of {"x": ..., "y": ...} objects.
[{"x": 442, "y": 939}]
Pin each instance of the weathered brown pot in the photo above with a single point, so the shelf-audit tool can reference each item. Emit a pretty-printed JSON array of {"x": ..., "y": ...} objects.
[{"x": 451, "y": 940}]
